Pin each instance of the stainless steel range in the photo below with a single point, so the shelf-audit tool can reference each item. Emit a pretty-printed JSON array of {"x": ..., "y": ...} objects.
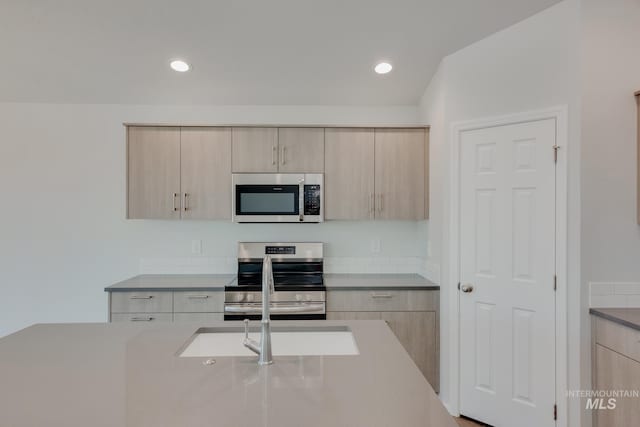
[{"x": 298, "y": 279}]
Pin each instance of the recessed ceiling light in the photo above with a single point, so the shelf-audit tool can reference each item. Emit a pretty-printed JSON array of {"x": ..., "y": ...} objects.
[
  {"x": 180, "y": 66},
  {"x": 383, "y": 68}
]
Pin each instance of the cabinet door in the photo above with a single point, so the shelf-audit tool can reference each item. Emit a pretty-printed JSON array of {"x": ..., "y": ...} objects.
[
  {"x": 153, "y": 170},
  {"x": 301, "y": 150},
  {"x": 254, "y": 149},
  {"x": 616, "y": 372},
  {"x": 349, "y": 174},
  {"x": 197, "y": 317},
  {"x": 353, "y": 315},
  {"x": 141, "y": 317},
  {"x": 400, "y": 173},
  {"x": 416, "y": 330},
  {"x": 206, "y": 172}
]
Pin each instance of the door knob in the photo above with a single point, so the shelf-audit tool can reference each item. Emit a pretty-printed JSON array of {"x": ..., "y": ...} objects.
[{"x": 466, "y": 288}]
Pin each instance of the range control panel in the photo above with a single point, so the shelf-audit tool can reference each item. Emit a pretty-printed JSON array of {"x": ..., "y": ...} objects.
[{"x": 280, "y": 250}]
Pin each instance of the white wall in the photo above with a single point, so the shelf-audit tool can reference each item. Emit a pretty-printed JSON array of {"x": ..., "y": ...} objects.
[
  {"x": 610, "y": 64},
  {"x": 611, "y": 75},
  {"x": 529, "y": 66},
  {"x": 63, "y": 235}
]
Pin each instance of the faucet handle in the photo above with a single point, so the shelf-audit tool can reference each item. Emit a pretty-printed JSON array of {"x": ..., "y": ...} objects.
[{"x": 246, "y": 329}]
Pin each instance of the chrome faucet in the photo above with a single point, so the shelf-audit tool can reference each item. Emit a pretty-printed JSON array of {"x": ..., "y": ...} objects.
[{"x": 263, "y": 349}]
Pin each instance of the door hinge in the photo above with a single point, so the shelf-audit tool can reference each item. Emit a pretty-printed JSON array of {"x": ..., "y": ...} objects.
[
  {"x": 555, "y": 412},
  {"x": 555, "y": 153},
  {"x": 555, "y": 282}
]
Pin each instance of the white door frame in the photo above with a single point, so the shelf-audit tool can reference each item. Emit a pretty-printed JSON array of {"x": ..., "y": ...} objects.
[{"x": 560, "y": 114}]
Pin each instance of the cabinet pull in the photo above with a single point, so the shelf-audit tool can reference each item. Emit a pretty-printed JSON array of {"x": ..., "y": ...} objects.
[
  {"x": 197, "y": 296},
  {"x": 141, "y": 297},
  {"x": 175, "y": 209},
  {"x": 284, "y": 155},
  {"x": 186, "y": 205},
  {"x": 273, "y": 155},
  {"x": 141, "y": 319},
  {"x": 381, "y": 296},
  {"x": 381, "y": 202}
]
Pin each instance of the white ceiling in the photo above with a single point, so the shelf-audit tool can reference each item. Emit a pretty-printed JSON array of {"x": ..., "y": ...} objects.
[{"x": 285, "y": 52}]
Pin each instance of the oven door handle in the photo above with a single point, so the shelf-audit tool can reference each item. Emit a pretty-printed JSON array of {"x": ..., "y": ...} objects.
[{"x": 274, "y": 309}]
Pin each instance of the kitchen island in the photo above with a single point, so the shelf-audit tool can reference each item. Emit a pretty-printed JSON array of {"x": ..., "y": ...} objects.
[{"x": 130, "y": 375}]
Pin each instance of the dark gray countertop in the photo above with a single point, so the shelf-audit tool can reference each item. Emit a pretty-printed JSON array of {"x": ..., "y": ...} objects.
[
  {"x": 625, "y": 316},
  {"x": 170, "y": 282},
  {"x": 377, "y": 281},
  {"x": 217, "y": 282},
  {"x": 119, "y": 375}
]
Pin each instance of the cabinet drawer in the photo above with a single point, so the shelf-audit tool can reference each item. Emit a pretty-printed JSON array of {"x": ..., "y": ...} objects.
[
  {"x": 141, "y": 302},
  {"x": 382, "y": 300},
  {"x": 198, "y": 317},
  {"x": 141, "y": 317},
  {"x": 198, "y": 302}
]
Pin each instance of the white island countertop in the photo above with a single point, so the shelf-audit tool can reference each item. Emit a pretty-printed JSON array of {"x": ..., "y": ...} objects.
[{"x": 119, "y": 375}]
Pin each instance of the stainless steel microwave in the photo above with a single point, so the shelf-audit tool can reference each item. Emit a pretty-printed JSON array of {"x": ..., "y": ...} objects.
[{"x": 277, "y": 197}]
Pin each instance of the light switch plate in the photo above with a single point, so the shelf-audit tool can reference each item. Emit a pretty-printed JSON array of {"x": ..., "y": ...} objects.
[{"x": 375, "y": 246}]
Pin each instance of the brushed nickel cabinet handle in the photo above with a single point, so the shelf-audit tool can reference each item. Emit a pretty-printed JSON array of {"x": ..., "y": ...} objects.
[
  {"x": 284, "y": 155},
  {"x": 141, "y": 297},
  {"x": 197, "y": 296},
  {"x": 186, "y": 204},
  {"x": 381, "y": 202},
  {"x": 141, "y": 319},
  {"x": 273, "y": 155},
  {"x": 175, "y": 209},
  {"x": 381, "y": 296}
]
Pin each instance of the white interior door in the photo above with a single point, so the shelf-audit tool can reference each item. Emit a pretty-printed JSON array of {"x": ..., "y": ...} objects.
[{"x": 507, "y": 268}]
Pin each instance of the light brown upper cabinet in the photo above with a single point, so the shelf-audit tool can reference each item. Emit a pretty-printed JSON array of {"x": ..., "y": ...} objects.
[
  {"x": 349, "y": 174},
  {"x": 254, "y": 149},
  {"x": 286, "y": 150},
  {"x": 379, "y": 174},
  {"x": 178, "y": 173},
  {"x": 400, "y": 173},
  {"x": 301, "y": 150},
  {"x": 205, "y": 172},
  {"x": 153, "y": 163}
]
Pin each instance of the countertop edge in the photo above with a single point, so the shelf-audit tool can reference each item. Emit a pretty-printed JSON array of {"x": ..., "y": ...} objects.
[
  {"x": 384, "y": 287},
  {"x": 167, "y": 289},
  {"x": 615, "y": 319}
]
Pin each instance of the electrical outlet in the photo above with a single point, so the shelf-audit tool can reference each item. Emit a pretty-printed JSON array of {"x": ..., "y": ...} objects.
[
  {"x": 375, "y": 246},
  {"x": 196, "y": 247}
]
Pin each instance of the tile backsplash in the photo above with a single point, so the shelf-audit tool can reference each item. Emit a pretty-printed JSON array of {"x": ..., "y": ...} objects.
[
  {"x": 614, "y": 294},
  {"x": 228, "y": 265}
]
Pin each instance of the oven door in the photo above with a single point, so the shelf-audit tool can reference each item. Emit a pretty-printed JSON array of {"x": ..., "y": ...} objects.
[{"x": 279, "y": 310}]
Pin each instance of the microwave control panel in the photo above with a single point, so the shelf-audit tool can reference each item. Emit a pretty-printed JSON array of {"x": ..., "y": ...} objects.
[{"x": 312, "y": 199}]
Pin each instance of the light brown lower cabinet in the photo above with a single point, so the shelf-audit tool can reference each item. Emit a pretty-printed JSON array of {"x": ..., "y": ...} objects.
[
  {"x": 616, "y": 367},
  {"x": 411, "y": 315},
  {"x": 166, "y": 306}
]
